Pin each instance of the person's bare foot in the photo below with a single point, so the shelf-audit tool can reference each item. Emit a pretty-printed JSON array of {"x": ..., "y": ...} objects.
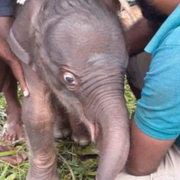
[
  {"x": 13, "y": 129},
  {"x": 11, "y": 159},
  {"x": 12, "y": 132}
]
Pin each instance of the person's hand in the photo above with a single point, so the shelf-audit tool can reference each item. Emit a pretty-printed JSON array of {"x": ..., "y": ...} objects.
[
  {"x": 17, "y": 70},
  {"x": 8, "y": 56}
]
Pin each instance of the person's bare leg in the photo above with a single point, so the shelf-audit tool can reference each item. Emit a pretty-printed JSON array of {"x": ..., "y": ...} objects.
[
  {"x": 13, "y": 129},
  {"x": 3, "y": 73},
  {"x": 8, "y": 56}
]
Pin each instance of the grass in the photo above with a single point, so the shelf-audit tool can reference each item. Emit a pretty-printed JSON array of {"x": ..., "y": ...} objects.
[{"x": 74, "y": 162}]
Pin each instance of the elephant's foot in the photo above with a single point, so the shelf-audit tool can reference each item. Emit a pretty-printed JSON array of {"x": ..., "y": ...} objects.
[
  {"x": 43, "y": 167},
  {"x": 61, "y": 133},
  {"x": 80, "y": 134},
  {"x": 13, "y": 129},
  {"x": 32, "y": 177},
  {"x": 81, "y": 139}
]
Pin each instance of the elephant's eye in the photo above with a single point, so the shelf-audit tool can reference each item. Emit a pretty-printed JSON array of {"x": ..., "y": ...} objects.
[{"x": 69, "y": 78}]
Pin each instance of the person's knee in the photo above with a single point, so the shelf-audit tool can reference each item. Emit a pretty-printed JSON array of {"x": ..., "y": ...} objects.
[
  {"x": 140, "y": 171},
  {"x": 126, "y": 176}
]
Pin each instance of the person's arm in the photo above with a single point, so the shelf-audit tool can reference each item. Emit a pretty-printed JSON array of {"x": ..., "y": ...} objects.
[
  {"x": 8, "y": 56},
  {"x": 146, "y": 153},
  {"x": 139, "y": 34}
]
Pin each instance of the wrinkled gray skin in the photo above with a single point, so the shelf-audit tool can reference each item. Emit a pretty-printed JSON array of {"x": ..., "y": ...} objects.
[{"x": 82, "y": 40}]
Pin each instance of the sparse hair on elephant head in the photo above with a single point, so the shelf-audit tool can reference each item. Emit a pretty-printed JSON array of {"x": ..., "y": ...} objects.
[{"x": 77, "y": 52}]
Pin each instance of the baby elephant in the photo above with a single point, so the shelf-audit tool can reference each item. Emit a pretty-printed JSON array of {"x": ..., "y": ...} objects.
[{"x": 74, "y": 58}]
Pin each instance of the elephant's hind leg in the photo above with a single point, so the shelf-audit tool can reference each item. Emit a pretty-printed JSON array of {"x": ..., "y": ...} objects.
[{"x": 62, "y": 128}]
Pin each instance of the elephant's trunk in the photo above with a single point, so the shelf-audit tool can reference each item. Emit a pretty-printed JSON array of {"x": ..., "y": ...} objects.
[{"x": 114, "y": 147}]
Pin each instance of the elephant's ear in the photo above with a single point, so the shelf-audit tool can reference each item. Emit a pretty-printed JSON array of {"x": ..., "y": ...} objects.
[
  {"x": 18, "y": 50},
  {"x": 22, "y": 36}
]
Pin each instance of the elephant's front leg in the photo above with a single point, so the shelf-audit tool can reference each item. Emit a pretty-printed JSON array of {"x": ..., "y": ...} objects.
[{"x": 38, "y": 118}]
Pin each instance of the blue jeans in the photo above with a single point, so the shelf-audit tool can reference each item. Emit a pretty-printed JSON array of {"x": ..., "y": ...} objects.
[{"x": 7, "y": 7}]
